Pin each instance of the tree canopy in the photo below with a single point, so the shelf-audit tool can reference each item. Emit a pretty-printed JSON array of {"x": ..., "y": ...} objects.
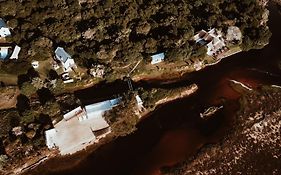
[{"x": 121, "y": 31}]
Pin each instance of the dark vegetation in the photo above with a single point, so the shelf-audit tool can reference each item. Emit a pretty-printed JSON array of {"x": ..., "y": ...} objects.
[
  {"x": 152, "y": 96},
  {"x": 123, "y": 119},
  {"x": 117, "y": 33},
  {"x": 32, "y": 118},
  {"x": 114, "y": 33}
]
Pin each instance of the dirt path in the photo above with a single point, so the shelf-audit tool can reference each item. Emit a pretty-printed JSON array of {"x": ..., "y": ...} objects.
[{"x": 8, "y": 97}]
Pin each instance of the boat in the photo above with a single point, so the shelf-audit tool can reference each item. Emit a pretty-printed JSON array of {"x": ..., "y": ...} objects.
[{"x": 210, "y": 111}]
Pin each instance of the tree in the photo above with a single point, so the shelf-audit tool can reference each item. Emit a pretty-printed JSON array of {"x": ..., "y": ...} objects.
[
  {"x": 53, "y": 75},
  {"x": 27, "y": 89},
  {"x": 28, "y": 116},
  {"x": 51, "y": 108},
  {"x": 23, "y": 103},
  {"x": 45, "y": 95},
  {"x": 3, "y": 160}
]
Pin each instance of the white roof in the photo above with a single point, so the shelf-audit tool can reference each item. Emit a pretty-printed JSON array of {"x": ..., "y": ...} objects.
[
  {"x": 4, "y": 30},
  {"x": 62, "y": 55},
  {"x": 157, "y": 58},
  {"x": 102, "y": 106},
  {"x": 50, "y": 138},
  {"x": 68, "y": 81},
  {"x": 16, "y": 52},
  {"x": 73, "y": 113},
  {"x": 139, "y": 101},
  {"x": 72, "y": 136},
  {"x": 35, "y": 64}
]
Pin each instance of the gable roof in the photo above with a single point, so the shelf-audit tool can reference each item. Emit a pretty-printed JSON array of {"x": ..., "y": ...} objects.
[
  {"x": 4, "y": 52},
  {"x": 62, "y": 55},
  {"x": 2, "y": 23}
]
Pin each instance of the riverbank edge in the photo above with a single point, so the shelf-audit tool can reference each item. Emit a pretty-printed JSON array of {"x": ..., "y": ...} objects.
[
  {"x": 179, "y": 71},
  {"x": 53, "y": 155},
  {"x": 189, "y": 90},
  {"x": 242, "y": 120},
  {"x": 140, "y": 80}
]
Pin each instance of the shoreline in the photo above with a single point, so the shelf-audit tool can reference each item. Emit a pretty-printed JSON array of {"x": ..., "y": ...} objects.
[
  {"x": 253, "y": 127},
  {"x": 175, "y": 78},
  {"x": 109, "y": 138},
  {"x": 189, "y": 91},
  {"x": 177, "y": 75},
  {"x": 182, "y": 71}
]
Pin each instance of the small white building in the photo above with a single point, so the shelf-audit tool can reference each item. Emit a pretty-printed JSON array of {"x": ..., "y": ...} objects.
[
  {"x": 35, "y": 64},
  {"x": 65, "y": 59},
  {"x": 4, "y": 30},
  {"x": 139, "y": 103},
  {"x": 15, "y": 54},
  {"x": 66, "y": 78},
  {"x": 157, "y": 58}
]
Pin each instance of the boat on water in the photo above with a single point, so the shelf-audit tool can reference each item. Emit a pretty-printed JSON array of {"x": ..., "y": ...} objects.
[{"x": 210, "y": 111}]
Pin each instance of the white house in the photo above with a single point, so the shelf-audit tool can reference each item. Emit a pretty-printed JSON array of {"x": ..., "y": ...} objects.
[
  {"x": 4, "y": 30},
  {"x": 78, "y": 128},
  {"x": 65, "y": 59},
  {"x": 15, "y": 54},
  {"x": 157, "y": 58},
  {"x": 213, "y": 40}
]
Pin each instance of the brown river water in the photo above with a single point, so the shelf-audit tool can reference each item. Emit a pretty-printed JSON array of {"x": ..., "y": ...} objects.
[{"x": 175, "y": 130}]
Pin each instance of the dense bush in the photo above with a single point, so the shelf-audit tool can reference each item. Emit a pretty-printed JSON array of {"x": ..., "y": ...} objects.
[{"x": 119, "y": 32}]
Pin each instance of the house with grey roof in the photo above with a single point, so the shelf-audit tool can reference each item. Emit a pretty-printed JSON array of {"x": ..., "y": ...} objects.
[
  {"x": 4, "y": 30},
  {"x": 65, "y": 59},
  {"x": 4, "y": 52}
]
